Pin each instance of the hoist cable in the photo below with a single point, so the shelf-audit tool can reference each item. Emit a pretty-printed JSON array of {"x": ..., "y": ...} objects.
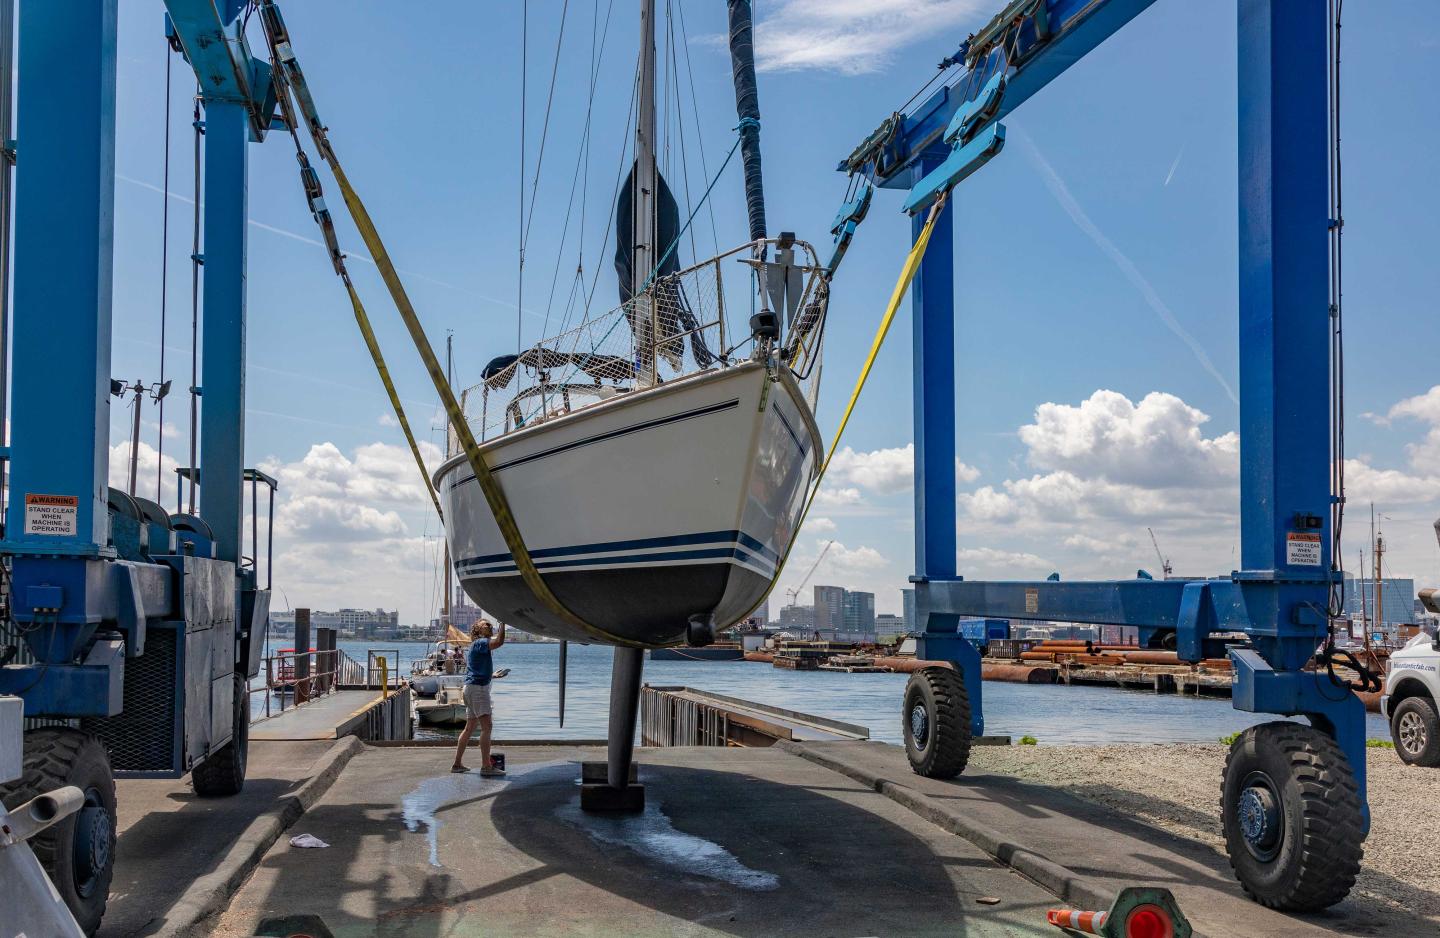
[
  {"x": 164, "y": 279},
  {"x": 195, "y": 262}
]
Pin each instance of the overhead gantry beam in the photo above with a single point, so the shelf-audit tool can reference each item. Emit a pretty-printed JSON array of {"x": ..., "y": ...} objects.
[{"x": 1023, "y": 49}]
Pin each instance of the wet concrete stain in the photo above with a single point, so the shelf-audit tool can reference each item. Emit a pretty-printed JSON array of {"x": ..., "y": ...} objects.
[{"x": 651, "y": 835}]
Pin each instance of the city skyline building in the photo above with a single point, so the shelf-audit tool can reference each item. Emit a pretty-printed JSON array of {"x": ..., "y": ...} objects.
[
  {"x": 829, "y": 607},
  {"x": 859, "y": 612}
]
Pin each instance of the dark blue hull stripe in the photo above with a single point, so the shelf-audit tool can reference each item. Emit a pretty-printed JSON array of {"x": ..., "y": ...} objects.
[
  {"x": 657, "y": 559},
  {"x": 642, "y": 544},
  {"x": 602, "y": 437}
]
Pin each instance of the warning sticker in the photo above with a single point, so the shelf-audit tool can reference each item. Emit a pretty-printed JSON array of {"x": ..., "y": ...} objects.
[
  {"x": 53, "y": 515},
  {"x": 1032, "y": 600},
  {"x": 1302, "y": 549}
]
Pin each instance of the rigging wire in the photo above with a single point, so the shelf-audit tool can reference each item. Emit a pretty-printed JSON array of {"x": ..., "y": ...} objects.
[
  {"x": 577, "y": 288},
  {"x": 582, "y": 158},
  {"x": 520, "y": 221},
  {"x": 619, "y": 178},
  {"x": 544, "y": 129},
  {"x": 654, "y": 272},
  {"x": 700, "y": 140},
  {"x": 680, "y": 122},
  {"x": 164, "y": 277}
]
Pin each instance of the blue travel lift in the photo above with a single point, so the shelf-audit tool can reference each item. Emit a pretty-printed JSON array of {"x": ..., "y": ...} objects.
[
  {"x": 1294, "y": 806},
  {"x": 142, "y": 627}
]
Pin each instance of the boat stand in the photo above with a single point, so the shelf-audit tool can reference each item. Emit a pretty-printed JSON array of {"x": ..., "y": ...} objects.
[{"x": 618, "y": 792}]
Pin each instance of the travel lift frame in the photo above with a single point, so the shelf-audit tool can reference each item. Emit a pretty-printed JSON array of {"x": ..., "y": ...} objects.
[
  {"x": 106, "y": 586},
  {"x": 1285, "y": 783}
]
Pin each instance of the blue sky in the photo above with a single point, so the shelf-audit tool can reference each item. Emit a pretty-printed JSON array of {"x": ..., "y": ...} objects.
[{"x": 1095, "y": 258}]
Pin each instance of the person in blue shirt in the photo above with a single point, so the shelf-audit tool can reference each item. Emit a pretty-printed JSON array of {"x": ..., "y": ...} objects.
[{"x": 477, "y": 695}]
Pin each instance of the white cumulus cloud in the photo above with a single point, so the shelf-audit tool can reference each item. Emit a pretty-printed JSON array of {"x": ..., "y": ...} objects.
[
  {"x": 854, "y": 36},
  {"x": 885, "y": 471}
]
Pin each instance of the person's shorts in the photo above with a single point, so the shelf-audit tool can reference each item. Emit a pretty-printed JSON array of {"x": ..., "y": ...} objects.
[{"x": 477, "y": 700}]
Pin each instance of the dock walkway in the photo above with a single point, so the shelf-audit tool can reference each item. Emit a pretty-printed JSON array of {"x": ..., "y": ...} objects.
[{"x": 342, "y": 713}]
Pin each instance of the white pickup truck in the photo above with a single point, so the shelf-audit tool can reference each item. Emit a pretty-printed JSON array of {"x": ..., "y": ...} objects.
[
  {"x": 1412, "y": 689},
  {"x": 1411, "y": 698}
]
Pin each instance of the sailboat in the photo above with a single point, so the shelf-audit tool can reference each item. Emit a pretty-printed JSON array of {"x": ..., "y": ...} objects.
[{"x": 657, "y": 457}]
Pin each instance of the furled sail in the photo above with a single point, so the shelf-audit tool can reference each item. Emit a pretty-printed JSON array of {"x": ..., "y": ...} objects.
[
  {"x": 747, "y": 107},
  {"x": 670, "y": 308}
]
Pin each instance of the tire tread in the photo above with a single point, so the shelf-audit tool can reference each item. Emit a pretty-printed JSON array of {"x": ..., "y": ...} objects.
[
  {"x": 1333, "y": 835},
  {"x": 949, "y": 750}
]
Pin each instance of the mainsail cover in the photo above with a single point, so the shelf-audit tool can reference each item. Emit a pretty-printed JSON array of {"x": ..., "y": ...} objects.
[
  {"x": 672, "y": 310},
  {"x": 747, "y": 107}
]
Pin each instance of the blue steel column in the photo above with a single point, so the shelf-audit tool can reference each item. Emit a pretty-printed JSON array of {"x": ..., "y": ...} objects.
[
  {"x": 932, "y": 304},
  {"x": 64, "y": 225},
  {"x": 222, "y": 403},
  {"x": 1284, "y": 358},
  {"x": 1284, "y": 318}
]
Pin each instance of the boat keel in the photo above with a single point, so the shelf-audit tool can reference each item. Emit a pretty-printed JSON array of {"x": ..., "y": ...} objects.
[{"x": 618, "y": 793}]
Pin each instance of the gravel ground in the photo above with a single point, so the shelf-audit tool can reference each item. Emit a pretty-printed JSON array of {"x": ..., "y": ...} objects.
[{"x": 1177, "y": 788}]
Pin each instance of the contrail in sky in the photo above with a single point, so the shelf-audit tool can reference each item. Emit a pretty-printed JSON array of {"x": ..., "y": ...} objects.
[
  {"x": 1057, "y": 188},
  {"x": 1173, "y": 166},
  {"x": 349, "y": 255}
]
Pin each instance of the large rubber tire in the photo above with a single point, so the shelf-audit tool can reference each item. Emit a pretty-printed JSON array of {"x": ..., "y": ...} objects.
[
  {"x": 1415, "y": 728},
  {"x": 223, "y": 773},
  {"x": 78, "y": 853},
  {"x": 936, "y": 718},
  {"x": 1292, "y": 819}
]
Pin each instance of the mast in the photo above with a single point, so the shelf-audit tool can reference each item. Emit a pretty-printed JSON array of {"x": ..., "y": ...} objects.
[
  {"x": 645, "y": 189},
  {"x": 449, "y": 380},
  {"x": 1379, "y": 554}
]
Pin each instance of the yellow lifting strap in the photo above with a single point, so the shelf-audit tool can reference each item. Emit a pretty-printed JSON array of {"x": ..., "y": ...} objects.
[
  {"x": 275, "y": 37},
  {"x": 284, "y": 58},
  {"x": 363, "y": 321},
  {"x": 494, "y": 496},
  {"x": 902, "y": 285},
  {"x": 283, "y": 53}
]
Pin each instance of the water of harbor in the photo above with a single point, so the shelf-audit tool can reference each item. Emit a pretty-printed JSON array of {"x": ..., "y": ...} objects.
[{"x": 525, "y": 700}]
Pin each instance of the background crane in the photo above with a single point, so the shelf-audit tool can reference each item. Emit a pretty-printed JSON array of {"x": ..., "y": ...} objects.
[
  {"x": 795, "y": 592},
  {"x": 1164, "y": 561}
]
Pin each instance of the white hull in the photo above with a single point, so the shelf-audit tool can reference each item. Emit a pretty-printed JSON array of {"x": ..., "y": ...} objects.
[
  {"x": 644, "y": 510},
  {"x": 434, "y": 714},
  {"x": 448, "y": 707}
]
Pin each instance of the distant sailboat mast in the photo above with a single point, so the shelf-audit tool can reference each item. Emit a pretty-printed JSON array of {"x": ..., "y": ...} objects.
[{"x": 449, "y": 590}]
